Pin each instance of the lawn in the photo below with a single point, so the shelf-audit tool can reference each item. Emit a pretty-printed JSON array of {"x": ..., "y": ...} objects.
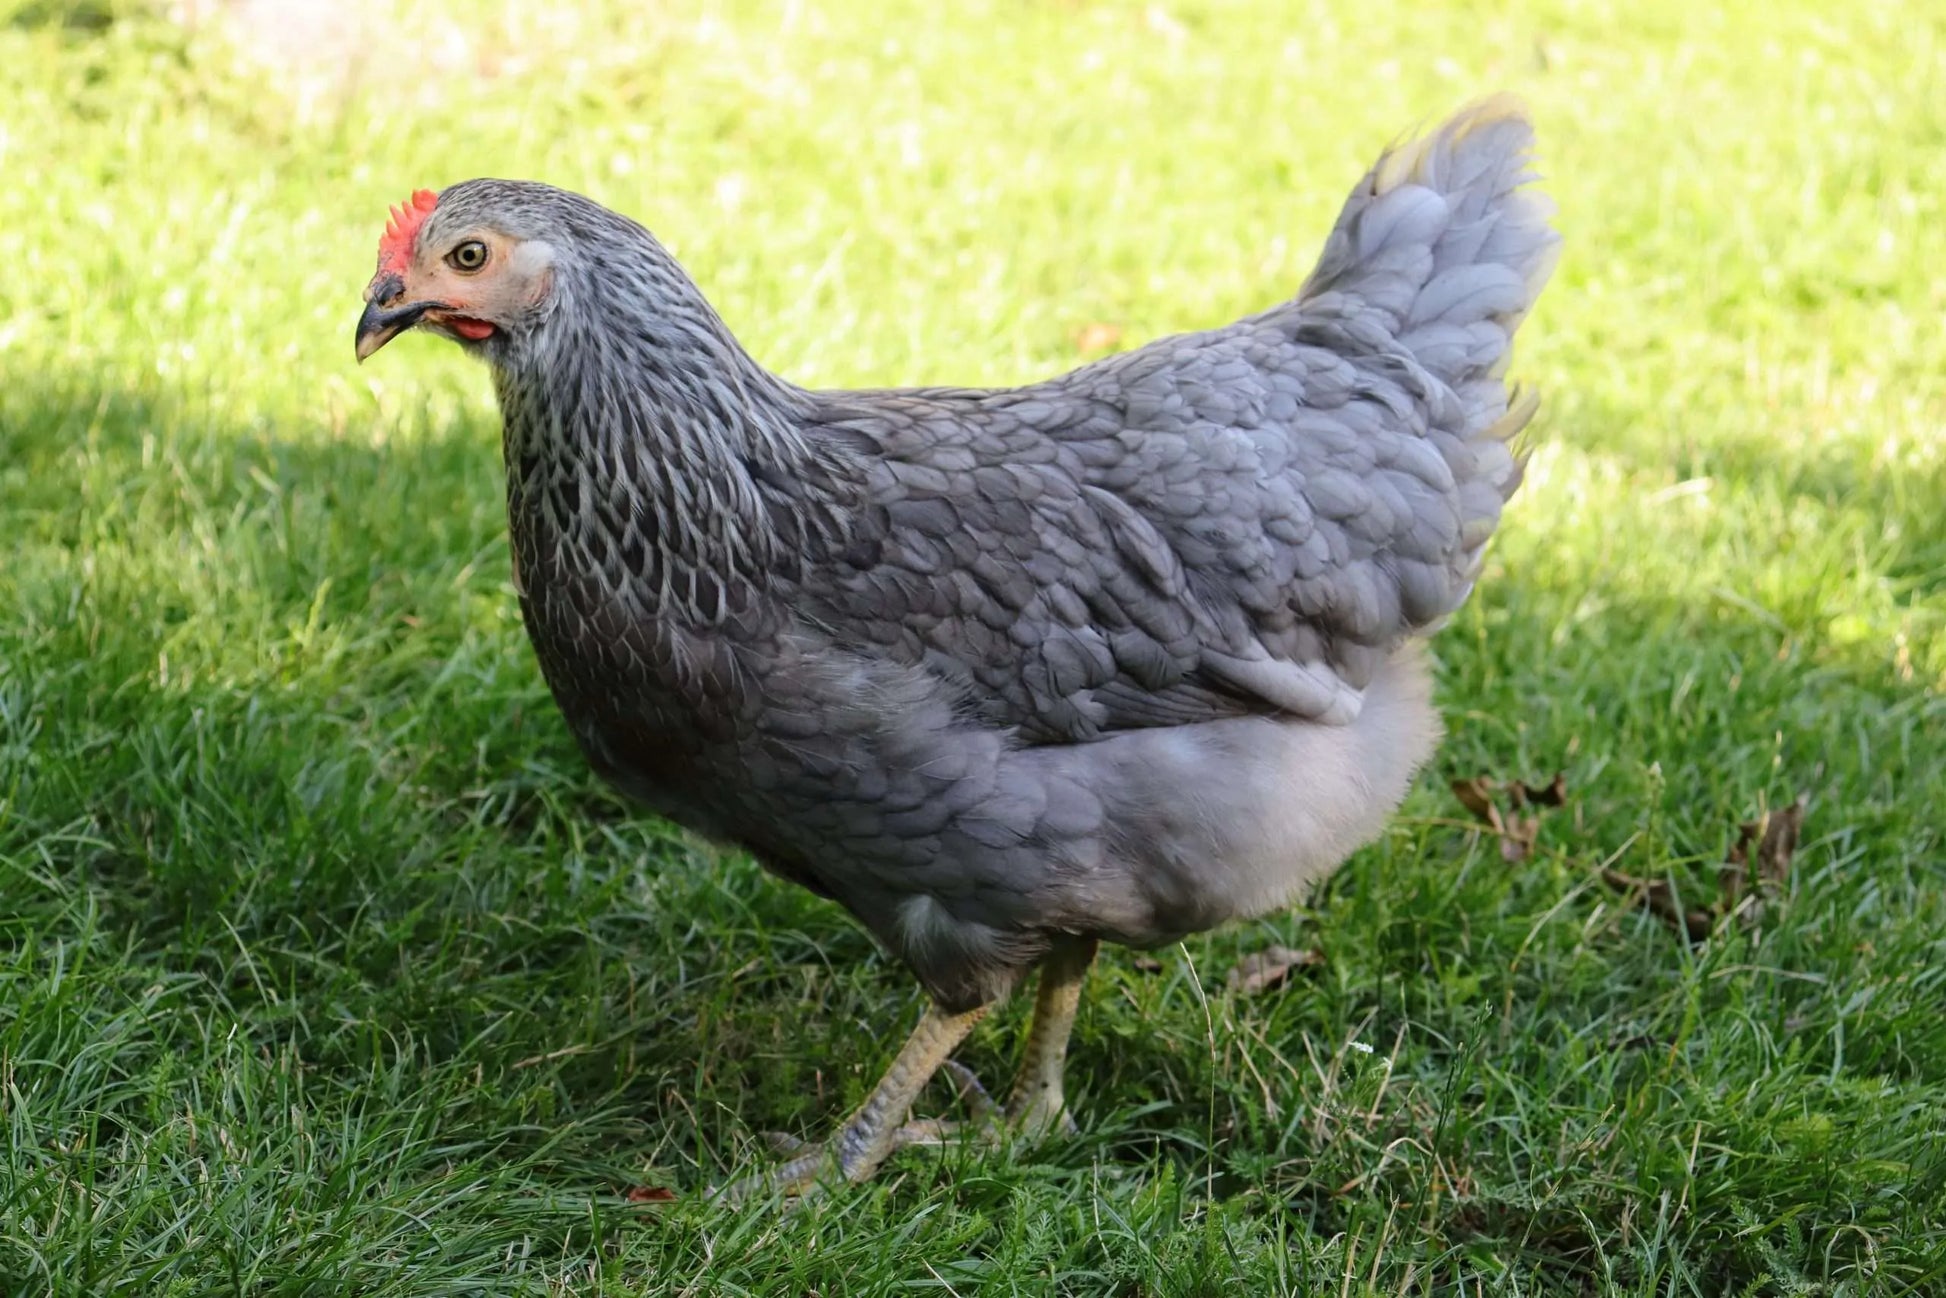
[{"x": 326, "y": 967}]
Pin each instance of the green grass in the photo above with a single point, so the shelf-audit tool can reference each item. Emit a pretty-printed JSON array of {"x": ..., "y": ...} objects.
[{"x": 325, "y": 967}]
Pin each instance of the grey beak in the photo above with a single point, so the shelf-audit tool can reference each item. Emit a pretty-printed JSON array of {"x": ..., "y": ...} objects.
[{"x": 382, "y": 321}]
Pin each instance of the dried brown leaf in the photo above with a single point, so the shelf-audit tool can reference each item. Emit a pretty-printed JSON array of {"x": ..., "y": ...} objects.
[
  {"x": 1659, "y": 898},
  {"x": 1772, "y": 839},
  {"x": 1268, "y": 969},
  {"x": 1476, "y": 795},
  {"x": 1777, "y": 835},
  {"x": 1517, "y": 840},
  {"x": 650, "y": 1194},
  {"x": 1517, "y": 833},
  {"x": 1552, "y": 794},
  {"x": 1769, "y": 841}
]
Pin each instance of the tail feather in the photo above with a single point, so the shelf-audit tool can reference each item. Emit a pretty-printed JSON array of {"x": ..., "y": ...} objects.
[
  {"x": 1439, "y": 254},
  {"x": 1444, "y": 239}
]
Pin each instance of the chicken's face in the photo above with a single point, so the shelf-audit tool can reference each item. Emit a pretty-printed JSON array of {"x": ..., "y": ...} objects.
[{"x": 449, "y": 271}]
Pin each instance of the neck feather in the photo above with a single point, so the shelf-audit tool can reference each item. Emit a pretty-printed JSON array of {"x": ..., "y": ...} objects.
[{"x": 647, "y": 450}]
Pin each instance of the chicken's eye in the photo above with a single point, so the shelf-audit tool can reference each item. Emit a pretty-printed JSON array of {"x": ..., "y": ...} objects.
[{"x": 469, "y": 256}]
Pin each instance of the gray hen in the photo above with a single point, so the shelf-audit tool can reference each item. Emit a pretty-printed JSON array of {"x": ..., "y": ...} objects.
[{"x": 1119, "y": 656}]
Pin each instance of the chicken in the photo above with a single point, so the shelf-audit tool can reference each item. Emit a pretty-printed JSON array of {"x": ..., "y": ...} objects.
[{"x": 1119, "y": 656}]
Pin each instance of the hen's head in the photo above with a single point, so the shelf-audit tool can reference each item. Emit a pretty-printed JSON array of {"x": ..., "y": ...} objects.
[
  {"x": 577, "y": 308},
  {"x": 477, "y": 263}
]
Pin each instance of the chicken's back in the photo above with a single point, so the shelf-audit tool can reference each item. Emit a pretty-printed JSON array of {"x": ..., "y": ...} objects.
[{"x": 1246, "y": 520}]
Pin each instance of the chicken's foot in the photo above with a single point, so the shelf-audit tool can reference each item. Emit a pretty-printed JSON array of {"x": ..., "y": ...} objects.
[
  {"x": 1036, "y": 1106},
  {"x": 870, "y": 1135}
]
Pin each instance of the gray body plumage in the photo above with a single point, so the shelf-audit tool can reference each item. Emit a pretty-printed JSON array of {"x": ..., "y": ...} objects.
[{"x": 1127, "y": 653}]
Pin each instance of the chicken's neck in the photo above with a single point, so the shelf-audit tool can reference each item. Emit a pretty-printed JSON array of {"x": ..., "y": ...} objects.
[{"x": 651, "y": 459}]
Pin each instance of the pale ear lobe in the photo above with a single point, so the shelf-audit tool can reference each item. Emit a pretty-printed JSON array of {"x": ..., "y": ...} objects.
[
  {"x": 533, "y": 257},
  {"x": 532, "y": 264}
]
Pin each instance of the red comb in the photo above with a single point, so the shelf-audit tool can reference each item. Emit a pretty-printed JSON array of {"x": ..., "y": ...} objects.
[{"x": 395, "y": 249}]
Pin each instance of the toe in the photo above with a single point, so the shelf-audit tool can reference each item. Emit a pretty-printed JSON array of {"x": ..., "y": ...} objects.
[
  {"x": 784, "y": 1144},
  {"x": 797, "y": 1179},
  {"x": 1038, "y": 1113},
  {"x": 927, "y": 1131},
  {"x": 978, "y": 1100}
]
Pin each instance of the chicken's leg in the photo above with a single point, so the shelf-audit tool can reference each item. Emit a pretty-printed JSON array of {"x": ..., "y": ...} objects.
[
  {"x": 872, "y": 1132},
  {"x": 1036, "y": 1106}
]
